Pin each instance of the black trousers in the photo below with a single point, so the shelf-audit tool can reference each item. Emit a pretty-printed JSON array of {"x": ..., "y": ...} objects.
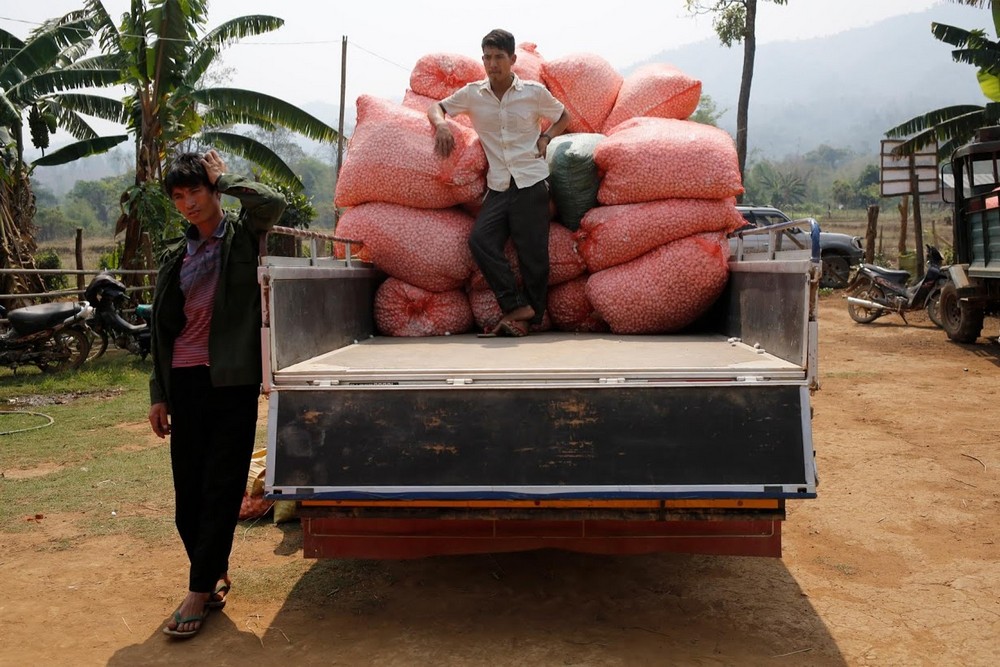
[
  {"x": 212, "y": 431},
  {"x": 521, "y": 215}
]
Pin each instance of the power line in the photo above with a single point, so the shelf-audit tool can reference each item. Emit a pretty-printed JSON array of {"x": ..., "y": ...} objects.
[{"x": 267, "y": 43}]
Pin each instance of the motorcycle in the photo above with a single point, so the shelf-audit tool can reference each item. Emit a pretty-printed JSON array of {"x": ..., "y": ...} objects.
[
  {"x": 109, "y": 297},
  {"x": 52, "y": 336},
  {"x": 876, "y": 291}
]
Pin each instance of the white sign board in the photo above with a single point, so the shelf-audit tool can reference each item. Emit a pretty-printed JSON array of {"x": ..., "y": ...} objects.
[{"x": 895, "y": 171}]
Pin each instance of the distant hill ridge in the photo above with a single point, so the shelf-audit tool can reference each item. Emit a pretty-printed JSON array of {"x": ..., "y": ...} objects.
[{"x": 844, "y": 90}]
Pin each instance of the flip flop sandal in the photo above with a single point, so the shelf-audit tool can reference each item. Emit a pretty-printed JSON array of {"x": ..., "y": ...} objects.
[
  {"x": 512, "y": 329},
  {"x": 222, "y": 590},
  {"x": 178, "y": 621},
  {"x": 506, "y": 329}
]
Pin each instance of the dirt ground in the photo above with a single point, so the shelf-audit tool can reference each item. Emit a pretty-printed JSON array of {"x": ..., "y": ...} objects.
[{"x": 896, "y": 562}]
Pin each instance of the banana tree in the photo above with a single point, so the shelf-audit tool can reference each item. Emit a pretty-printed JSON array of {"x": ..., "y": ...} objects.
[
  {"x": 956, "y": 125},
  {"x": 163, "y": 53},
  {"x": 44, "y": 81}
]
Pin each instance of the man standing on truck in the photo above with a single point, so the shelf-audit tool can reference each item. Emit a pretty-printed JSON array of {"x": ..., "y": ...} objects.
[
  {"x": 207, "y": 366},
  {"x": 506, "y": 113}
]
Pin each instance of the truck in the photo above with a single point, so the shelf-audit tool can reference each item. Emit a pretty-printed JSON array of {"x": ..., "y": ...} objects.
[
  {"x": 974, "y": 289},
  {"x": 399, "y": 447}
]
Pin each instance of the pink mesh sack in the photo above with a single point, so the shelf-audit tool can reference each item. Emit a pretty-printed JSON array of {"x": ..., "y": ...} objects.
[
  {"x": 422, "y": 103},
  {"x": 645, "y": 159},
  {"x": 391, "y": 158},
  {"x": 424, "y": 247},
  {"x": 666, "y": 289},
  {"x": 402, "y": 309},
  {"x": 657, "y": 90},
  {"x": 571, "y": 311},
  {"x": 612, "y": 235},
  {"x": 587, "y": 85},
  {"x": 438, "y": 75},
  {"x": 528, "y": 65}
]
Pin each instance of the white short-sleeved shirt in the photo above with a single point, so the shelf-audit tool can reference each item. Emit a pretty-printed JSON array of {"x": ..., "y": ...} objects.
[{"x": 508, "y": 128}]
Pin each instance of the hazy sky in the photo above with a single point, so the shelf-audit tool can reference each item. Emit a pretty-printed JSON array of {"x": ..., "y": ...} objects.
[{"x": 301, "y": 62}]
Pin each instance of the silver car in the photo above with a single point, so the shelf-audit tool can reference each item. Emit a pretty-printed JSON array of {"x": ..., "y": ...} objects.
[{"x": 839, "y": 251}]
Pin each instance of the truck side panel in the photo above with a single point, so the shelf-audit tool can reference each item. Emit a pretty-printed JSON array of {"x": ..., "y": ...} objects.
[{"x": 649, "y": 441}]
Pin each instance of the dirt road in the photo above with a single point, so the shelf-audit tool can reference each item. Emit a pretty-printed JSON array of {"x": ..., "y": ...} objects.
[{"x": 896, "y": 563}]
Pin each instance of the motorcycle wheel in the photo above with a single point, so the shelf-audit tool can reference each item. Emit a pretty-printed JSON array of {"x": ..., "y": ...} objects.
[
  {"x": 934, "y": 308},
  {"x": 866, "y": 290},
  {"x": 962, "y": 322},
  {"x": 67, "y": 350},
  {"x": 97, "y": 349}
]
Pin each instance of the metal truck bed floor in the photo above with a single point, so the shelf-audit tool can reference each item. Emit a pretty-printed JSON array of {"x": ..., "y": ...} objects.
[{"x": 537, "y": 355}]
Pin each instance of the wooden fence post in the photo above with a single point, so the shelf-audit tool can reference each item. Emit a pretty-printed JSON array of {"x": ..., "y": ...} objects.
[
  {"x": 870, "y": 233},
  {"x": 81, "y": 280}
]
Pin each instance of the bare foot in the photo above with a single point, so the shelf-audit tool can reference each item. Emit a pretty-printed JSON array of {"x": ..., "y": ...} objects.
[
  {"x": 519, "y": 314},
  {"x": 193, "y": 606}
]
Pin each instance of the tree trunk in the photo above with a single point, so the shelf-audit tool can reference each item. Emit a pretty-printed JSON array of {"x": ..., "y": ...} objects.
[
  {"x": 17, "y": 237},
  {"x": 742, "y": 109}
]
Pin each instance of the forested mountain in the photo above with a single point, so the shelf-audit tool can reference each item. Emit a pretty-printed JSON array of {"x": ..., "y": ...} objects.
[{"x": 844, "y": 90}]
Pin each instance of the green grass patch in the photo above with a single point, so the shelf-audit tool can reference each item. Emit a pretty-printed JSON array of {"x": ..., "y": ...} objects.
[{"x": 93, "y": 459}]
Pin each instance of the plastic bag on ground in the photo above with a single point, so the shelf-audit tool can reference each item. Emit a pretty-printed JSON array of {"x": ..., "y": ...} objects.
[
  {"x": 391, "y": 158},
  {"x": 666, "y": 289},
  {"x": 612, "y": 235},
  {"x": 646, "y": 159}
]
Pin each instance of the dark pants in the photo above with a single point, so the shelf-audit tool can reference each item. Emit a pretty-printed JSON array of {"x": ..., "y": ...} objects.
[
  {"x": 212, "y": 431},
  {"x": 521, "y": 215}
]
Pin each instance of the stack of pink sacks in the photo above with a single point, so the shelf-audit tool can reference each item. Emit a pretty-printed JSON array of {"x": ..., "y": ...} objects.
[{"x": 649, "y": 257}]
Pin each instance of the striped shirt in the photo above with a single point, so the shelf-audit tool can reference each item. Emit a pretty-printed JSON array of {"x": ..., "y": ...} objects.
[{"x": 200, "y": 271}]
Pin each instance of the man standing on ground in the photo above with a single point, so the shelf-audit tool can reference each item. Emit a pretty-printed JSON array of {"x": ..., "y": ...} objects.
[
  {"x": 506, "y": 113},
  {"x": 207, "y": 366}
]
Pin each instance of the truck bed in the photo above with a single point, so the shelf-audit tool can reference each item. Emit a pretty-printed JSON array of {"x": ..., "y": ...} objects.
[{"x": 555, "y": 356}]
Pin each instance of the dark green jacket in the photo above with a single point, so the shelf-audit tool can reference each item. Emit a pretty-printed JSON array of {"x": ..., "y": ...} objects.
[{"x": 234, "y": 335}]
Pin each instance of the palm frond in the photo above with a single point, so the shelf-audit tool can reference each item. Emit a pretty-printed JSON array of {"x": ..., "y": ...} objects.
[
  {"x": 78, "y": 150},
  {"x": 93, "y": 105},
  {"x": 256, "y": 152},
  {"x": 70, "y": 121},
  {"x": 218, "y": 118},
  {"x": 69, "y": 79},
  {"x": 104, "y": 26},
  {"x": 40, "y": 52},
  {"x": 930, "y": 119},
  {"x": 9, "y": 114},
  {"x": 957, "y": 37},
  {"x": 957, "y": 130},
  {"x": 238, "y": 28},
  {"x": 10, "y": 41},
  {"x": 269, "y": 109}
]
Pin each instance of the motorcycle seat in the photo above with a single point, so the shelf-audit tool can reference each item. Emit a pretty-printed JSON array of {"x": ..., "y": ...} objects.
[
  {"x": 895, "y": 275},
  {"x": 30, "y": 319}
]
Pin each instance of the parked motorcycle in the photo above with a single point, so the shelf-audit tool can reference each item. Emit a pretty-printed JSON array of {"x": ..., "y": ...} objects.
[
  {"x": 109, "y": 297},
  {"x": 52, "y": 336},
  {"x": 876, "y": 291}
]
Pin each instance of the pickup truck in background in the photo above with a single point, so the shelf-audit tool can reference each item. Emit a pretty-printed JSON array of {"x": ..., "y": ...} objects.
[
  {"x": 600, "y": 443},
  {"x": 838, "y": 252}
]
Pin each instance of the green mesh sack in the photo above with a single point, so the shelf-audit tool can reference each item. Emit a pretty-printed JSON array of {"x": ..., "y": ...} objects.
[{"x": 573, "y": 175}]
